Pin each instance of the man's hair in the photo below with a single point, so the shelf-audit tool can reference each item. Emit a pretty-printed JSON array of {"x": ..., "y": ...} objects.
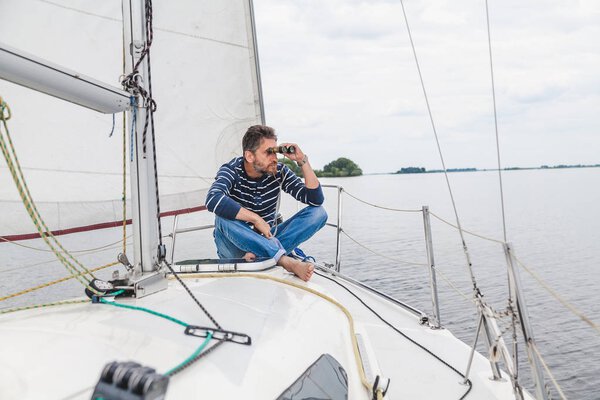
[{"x": 255, "y": 134}]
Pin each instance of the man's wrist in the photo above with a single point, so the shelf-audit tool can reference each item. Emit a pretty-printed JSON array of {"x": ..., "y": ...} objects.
[
  {"x": 303, "y": 161},
  {"x": 255, "y": 219}
]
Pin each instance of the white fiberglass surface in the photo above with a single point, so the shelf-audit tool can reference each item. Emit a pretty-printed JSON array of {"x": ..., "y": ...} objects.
[{"x": 290, "y": 328}]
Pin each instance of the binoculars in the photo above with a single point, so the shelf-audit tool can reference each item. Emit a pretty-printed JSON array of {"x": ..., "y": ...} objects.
[{"x": 282, "y": 150}]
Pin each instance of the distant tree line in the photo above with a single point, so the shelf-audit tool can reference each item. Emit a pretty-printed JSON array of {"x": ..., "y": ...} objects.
[
  {"x": 421, "y": 170},
  {"x": 341, "y": 167},
  {"x": 570, "y": 166},
  {"x": 411, "y": 170}
]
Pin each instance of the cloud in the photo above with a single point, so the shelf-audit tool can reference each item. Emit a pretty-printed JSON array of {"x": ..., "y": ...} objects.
[{"x": 341, "y": 76}]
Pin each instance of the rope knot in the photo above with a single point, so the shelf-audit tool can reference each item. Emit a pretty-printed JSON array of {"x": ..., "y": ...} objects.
[{"x": 5, "y": 113}]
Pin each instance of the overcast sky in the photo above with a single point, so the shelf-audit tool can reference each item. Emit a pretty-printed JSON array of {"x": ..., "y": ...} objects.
[{"x": 339, "y": 78}]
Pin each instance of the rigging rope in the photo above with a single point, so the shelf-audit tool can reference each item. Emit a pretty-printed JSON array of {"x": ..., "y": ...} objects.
[
  {"x": 464, "y": 244},
  {"x": 564, "y": 302},
  {"x": 539, "y": 280},
  {"x": 12, "y": 161},
  {"x": 187, "y": 289},
  {"x": 44, "y": 305},
  {"x": 453, "y": 286},
  {"x": 47, "y": 284},
  {"x": 487, "y": 15},
  {"x": 72, "y": 251},
  {"x": 556, "y": 385},
  {"x": 132, "y": 84},
  {"x": 124, "y": 180}
]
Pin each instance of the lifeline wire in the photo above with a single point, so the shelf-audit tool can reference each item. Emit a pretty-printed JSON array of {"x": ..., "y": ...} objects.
[
  {"x": 380, "y": 254},
  {"x": 469, "y": 383},
  {"x": 464, "y": 230},
  {"x": 381, "y": 207}
]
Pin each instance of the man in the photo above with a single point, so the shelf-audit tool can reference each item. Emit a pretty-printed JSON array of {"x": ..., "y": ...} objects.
[{"x": 245, "y": 199}]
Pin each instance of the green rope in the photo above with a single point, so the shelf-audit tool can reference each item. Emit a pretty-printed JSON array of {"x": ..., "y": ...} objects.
[
  {"x": 192, "y": 357},
  {"x": 185, "y": 362},
  {"x": 172, "y": 319}
]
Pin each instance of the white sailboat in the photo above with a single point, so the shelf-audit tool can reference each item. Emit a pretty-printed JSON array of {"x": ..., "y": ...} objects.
[{"x": 224, "y": 330}]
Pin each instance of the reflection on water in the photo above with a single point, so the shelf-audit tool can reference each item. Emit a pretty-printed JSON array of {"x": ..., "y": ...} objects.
[{"x": 553, "y": 222}]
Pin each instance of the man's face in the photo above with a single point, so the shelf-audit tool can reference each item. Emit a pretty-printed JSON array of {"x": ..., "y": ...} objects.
[{"x": 263, "y": 162}]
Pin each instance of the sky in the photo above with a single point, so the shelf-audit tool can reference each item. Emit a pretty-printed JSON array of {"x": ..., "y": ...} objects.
[{"x": 339, "y": 78}]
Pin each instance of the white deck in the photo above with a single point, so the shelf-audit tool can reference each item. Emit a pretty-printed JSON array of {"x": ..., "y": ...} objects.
[{"x": 59, "y": 352}]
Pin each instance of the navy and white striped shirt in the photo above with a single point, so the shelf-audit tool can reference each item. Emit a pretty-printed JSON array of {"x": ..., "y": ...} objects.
[{"x": 234, "y": 189}]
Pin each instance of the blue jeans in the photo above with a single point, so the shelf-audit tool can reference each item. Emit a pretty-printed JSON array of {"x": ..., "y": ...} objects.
[{"x": 235, "y": 238}]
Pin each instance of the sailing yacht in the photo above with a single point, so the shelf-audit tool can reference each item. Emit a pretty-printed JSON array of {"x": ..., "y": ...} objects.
[{"x": 160, "y": 326}]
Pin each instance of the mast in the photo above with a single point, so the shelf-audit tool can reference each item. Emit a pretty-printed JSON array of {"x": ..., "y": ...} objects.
[
  {"x": 254, "y": 62},
  {"x": 144, "y": 193}
]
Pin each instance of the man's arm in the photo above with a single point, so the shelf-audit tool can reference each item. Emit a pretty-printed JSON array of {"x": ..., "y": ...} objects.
[
  {"x": 256, "y": 220},
  {"x": 219, "y": 202},
  {"x": 310, "y": 178},
  {"x": 309, "y": 193}
]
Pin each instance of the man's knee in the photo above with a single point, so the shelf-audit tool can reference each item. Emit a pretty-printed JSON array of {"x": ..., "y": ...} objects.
[
  {"x": 226, "y": 225},
  {"x": 319, "y": 215}
]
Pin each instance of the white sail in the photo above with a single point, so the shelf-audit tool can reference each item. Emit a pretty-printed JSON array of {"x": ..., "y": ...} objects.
[{"x": 205, "y": 83}]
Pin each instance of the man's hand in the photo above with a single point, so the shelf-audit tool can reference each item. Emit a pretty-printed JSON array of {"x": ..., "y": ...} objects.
[
  {"x": 261, "y": 226},
  {"x": 298, "y": 155},
  {"x": 310, "y": 179}
]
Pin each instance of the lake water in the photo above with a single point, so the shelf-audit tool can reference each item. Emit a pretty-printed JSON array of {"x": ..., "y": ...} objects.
[{"x": 553, "y": 223}]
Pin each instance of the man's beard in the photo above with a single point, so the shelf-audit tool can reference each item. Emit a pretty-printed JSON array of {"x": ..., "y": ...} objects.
[{"x": 268, "y": 169}]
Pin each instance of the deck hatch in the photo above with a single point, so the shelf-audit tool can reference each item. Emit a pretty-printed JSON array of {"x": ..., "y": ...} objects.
[{"x": 324, "y": 379}]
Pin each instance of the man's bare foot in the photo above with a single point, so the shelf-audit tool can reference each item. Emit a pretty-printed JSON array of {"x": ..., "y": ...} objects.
[
  {"x": 302, "y": 270},
  {"x": 249, "y": 257}
]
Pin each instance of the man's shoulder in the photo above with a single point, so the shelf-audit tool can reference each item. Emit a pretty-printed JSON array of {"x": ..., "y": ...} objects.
[{"x": 233, "y": 165}]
